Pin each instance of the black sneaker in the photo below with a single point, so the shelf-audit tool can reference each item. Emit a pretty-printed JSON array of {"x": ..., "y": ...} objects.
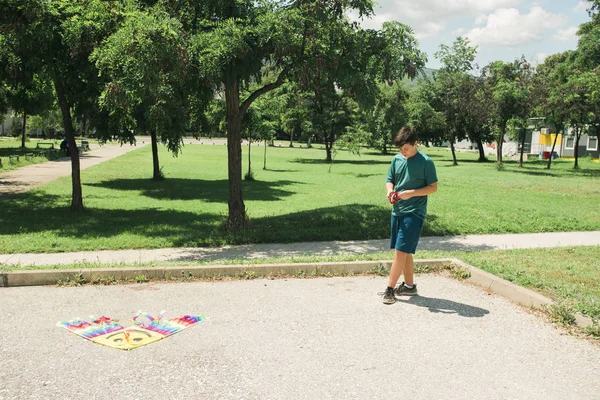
[
  {"x": 388, "y": 296},
  {"x": 402, "y": 290}
]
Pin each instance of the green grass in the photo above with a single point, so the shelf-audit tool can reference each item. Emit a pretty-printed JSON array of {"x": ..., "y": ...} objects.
[
  {"x": 295, "y": 199},
  {"x": 570, "y": 276}
]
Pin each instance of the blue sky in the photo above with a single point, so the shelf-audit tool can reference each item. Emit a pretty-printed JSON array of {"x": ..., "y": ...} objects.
[{"x": 502, "y": 29}]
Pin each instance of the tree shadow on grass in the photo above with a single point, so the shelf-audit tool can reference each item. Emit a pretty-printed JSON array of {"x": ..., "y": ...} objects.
[
  {"x": 353, "y": 162},
  {"x": 96, "y": 229},
  {"x": 355, "y": 175},
  {"x": 443, "y": 306},
  {"x": 35, "y": 213},
  {"x": 198, "y": 189},
  {"x": 532, "y": 172},
  {"x": 346, "y": 222},
  {"x": 542, "y": 171}
]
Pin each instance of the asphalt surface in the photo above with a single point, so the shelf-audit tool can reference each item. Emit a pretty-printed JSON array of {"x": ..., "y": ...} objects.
[{"x": 325, "y": 338}]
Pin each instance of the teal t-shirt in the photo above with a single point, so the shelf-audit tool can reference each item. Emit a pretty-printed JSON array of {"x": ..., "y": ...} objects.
[{"x": 415, "y": 172}]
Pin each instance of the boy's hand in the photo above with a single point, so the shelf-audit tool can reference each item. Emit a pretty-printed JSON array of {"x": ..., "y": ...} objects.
[
  {"x": 405, "y": 194},
  {"x": 394, "y": 197}
]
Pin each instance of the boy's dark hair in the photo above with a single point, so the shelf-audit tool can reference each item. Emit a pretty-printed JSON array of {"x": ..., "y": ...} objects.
[{"x": 405, "y": 135}]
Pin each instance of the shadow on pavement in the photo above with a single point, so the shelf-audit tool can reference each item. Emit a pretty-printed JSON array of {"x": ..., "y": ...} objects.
[{"x": 443, "y": 306}]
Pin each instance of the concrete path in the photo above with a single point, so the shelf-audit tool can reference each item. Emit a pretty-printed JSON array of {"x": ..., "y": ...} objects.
[
  {"x": 26, "y": 178},
  {"x": 262, "y": 251},
  {"x": 325, "y": 338}
]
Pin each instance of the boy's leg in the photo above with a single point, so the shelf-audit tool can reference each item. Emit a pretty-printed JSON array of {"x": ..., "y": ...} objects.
[
  {"x": 409, "y": 270},
  {"x": 398, "y": 266}
]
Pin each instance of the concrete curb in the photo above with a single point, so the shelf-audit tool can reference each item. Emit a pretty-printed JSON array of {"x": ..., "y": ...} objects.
[{"x": 518, "y": 294}]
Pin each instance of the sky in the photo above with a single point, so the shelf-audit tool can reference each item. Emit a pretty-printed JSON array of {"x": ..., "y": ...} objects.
[{"x": 502, "y": 29}]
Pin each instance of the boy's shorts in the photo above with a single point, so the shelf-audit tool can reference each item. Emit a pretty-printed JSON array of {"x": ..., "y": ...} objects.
[{"x": 406, "y": 232}]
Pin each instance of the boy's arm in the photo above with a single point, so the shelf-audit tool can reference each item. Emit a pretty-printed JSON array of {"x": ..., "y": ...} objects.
[
  {"x": 424, "y": 191},
  {"x": 389, "y": 186}
]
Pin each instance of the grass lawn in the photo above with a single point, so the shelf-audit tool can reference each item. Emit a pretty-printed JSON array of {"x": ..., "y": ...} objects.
[
  {"x": 27, "y": 156},
  {"x": 295, "y": 199}
]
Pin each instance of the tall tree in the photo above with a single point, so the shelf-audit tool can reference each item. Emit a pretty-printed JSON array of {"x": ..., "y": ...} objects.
[
  {"x": 549, "y": 78},
  {"x": 509, "y": 97},
  {"x": 57, "y": 37},
  {"x": 387, "y": 116},
  {"x": 457, "y": 62},
  {"x": 27, "y": 92},
  {"x": 579, "y": 102},
  {"x": 474, "y": 103},
  {"x": 234, "y": 41},
  {"x": 147, "y": 64}
]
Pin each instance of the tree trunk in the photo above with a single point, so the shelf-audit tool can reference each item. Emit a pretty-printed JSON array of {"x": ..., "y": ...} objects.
[
  {"x": 499, "y": 143},
  {"x": 265, "y": 156},
  {"x": 328, "y": 147},
  {"x": 65, "y": 109},
  {"x": 24, "y": 129},
  {"x": 155, "y": 164},
  {"x": 523, "y": 135},
  {"x": 552, "y": 151},
  {"x": 237, "y": 209},
  {"x": 454, "y": 162},
  {"x": 577, "y": 135},
  {"x": 482, "y": 157}
]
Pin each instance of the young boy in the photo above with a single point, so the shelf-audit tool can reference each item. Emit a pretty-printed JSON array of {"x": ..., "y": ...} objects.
[{"x": 410, "y": 179}]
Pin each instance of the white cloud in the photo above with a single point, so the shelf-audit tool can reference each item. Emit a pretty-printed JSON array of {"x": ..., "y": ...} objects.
[
  {"x": 582, "y": 6},
  {"x": 567, "y": 35},
  {"x": 429, "y": 17},
  {"x": 539, "y": 58},
  {"x": 508, "y": 27}
]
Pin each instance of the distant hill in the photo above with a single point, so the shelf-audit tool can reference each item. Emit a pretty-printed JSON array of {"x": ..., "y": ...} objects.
[{"x": 412, "y": 83}]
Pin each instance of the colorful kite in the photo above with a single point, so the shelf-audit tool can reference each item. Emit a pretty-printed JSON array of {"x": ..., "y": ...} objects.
[{"x": 109, "y": 332}]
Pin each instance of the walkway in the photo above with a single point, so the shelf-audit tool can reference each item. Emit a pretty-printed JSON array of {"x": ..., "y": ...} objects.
[
  {"x": 261, "y": 251},
  {"x": 26, "y": 178}
]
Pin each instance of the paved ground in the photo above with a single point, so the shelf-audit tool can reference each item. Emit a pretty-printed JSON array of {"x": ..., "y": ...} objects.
[{"x": 326, "y": 338}]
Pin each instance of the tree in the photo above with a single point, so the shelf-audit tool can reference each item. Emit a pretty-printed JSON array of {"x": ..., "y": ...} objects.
[
  {"x": 579, "y": 103},
  {"x": 26, "y": 92},
  {"x": 233, "y": 42},
  {"x": 549, "y": 78},
  {"x": 428, "y": 122},
  {"x": 147, "y": 64},
  {"x": 450, "y": 84},
  {"x": 236, "y": 40},
  {"x": 509, "y": 95},
  {"x": 350, "y": 64},
  {"x": 57, "y": 38},
  {"x": 388, "y": 115},
  {"x": 474, "y": 103}
]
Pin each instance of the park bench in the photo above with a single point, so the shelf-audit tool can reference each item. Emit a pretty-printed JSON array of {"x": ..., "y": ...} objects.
[
  {"x": 85, "y": 145},
  {"x": 50, "y": 144}
]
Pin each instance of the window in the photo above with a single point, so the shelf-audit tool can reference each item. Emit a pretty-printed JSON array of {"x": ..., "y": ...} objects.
[
  {"x": 569, "y": 142},
  {"x": 592, "y": 143}
]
